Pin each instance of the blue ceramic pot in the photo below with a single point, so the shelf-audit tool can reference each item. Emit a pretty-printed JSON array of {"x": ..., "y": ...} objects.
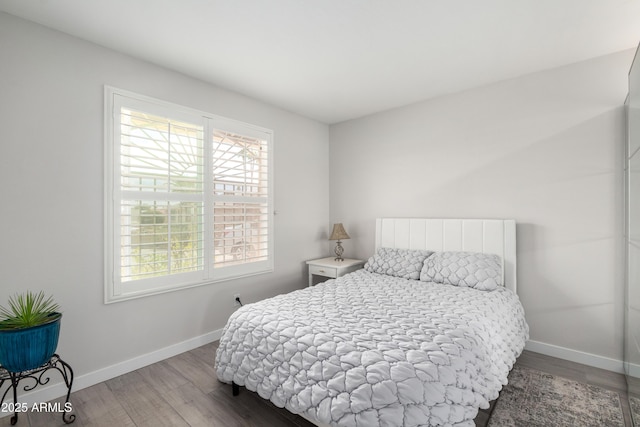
[{"x": 24, "y": 349}]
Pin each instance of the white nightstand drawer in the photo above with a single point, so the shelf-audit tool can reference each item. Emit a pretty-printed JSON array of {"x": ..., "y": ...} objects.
[
  {"x": 331, "y": 268},
  {"x": 323, "y": 271}
]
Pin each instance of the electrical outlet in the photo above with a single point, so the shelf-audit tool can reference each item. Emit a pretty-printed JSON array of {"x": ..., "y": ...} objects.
[{"x": 236, "y": 297}]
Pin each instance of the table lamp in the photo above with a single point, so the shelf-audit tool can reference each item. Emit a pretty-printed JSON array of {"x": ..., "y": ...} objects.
[{"x": 338, "y": 234}]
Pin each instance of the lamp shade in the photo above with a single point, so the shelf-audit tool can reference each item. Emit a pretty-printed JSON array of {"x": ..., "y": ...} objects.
[{"x": 338, "y": 232}]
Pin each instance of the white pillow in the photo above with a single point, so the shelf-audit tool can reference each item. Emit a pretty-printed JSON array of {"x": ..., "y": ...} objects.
[
  {"x": 470, "y": 269},
  {"x": 405, "y": 263}
]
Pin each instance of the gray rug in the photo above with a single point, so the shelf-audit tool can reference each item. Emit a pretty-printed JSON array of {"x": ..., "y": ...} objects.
[{"x": 534, "y": 398}]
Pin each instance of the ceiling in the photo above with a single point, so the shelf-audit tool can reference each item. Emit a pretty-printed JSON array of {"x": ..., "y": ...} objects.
[{"x": 334, "y": 60}]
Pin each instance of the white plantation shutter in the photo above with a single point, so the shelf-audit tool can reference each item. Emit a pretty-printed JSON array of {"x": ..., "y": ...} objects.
[
  {"x": 241, "y": 193},
  {"x": 188, "y": 195},
  {"x": 162, "y": 199}
]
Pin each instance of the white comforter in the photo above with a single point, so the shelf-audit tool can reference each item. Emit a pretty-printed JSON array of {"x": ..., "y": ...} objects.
[{"x": 372, "y": 350}]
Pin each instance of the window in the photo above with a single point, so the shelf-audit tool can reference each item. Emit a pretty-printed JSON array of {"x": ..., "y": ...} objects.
[{"x": 188, "y": 197}]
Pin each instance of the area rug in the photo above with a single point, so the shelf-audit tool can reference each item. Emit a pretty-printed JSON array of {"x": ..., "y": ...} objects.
[{"x": 534, "y": 398}]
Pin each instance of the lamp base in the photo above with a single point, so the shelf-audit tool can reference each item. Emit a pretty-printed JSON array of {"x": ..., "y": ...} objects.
[{"x": 339, "y": 250}]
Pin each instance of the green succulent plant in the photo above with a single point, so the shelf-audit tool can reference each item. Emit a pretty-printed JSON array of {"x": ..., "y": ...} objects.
[{"x": 27, "y": 310}]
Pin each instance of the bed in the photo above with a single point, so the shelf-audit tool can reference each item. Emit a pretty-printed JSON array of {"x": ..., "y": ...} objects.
[{"x": 425, "y": 334}]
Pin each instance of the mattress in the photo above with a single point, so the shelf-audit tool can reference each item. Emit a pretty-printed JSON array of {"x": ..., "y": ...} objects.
[{"x": 369, "y": 349}]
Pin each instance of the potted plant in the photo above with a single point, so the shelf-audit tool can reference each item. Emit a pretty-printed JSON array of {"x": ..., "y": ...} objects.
[{"x": 29, "y": 330}]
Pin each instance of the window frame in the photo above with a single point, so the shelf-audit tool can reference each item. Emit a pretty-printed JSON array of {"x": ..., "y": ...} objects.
[{"x": 114, "y": 288}]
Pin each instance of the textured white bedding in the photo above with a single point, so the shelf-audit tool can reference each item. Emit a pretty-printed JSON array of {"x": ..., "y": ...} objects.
[{"x": 375, "y": 350}]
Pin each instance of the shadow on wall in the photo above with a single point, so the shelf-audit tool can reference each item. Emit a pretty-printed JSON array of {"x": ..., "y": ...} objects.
[
  {"x": 557, "y": 175},
  {"x": 569, "y": 181},
  {"x": 567, "y": 300}
]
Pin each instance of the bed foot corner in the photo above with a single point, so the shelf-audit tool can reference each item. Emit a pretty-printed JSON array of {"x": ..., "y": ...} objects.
[{"x": 235, "y": 389}]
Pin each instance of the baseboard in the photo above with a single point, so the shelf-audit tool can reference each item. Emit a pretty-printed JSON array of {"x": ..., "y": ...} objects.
[
  {"x": 632, "y": 369},
  {"x": 45, "y": 394},
  {"x": 576, "y": 356}
]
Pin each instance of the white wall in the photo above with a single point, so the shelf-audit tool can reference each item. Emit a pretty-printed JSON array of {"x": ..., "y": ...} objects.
[
  {"x": 544, "y": 149},
  {"x": 51, "y": 175}
]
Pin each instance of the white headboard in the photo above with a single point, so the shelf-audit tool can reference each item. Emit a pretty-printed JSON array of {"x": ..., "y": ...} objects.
[{"x": 493, "y": 236}]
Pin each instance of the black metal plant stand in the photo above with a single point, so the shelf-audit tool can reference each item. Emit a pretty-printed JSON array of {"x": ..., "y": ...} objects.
[{"x": 38, "y": 377}]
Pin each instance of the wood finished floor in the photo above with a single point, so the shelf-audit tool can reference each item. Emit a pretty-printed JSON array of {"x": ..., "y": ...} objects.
[{"x": 184, "y": 391}]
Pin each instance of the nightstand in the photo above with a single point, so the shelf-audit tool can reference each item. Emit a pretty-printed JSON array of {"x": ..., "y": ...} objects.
[{"x": 330, "y": 268}]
